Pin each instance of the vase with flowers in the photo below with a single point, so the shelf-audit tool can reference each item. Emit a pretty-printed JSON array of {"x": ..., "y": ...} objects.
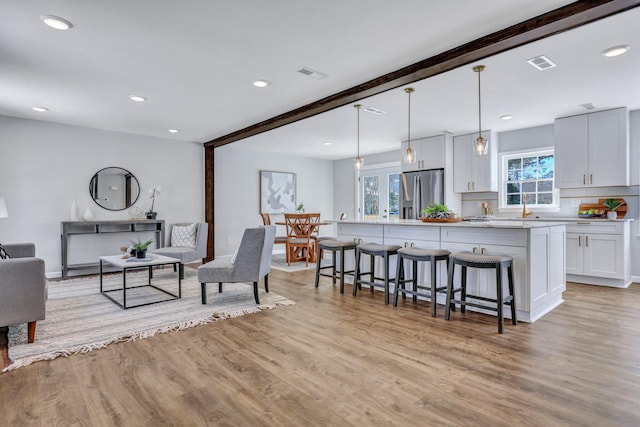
[{"x": 153, "y": 192}]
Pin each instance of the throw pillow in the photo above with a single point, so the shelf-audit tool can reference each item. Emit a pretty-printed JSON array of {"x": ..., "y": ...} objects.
[
  {"x": 3, "y": 253},
  {"x": 184, "y": 235}
]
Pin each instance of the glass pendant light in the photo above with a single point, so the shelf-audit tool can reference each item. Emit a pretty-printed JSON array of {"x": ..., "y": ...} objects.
[
  {"x": 358, "y": 162},
  {"x": 409, "y": 155},
  {"x": 482, "y": 144}
]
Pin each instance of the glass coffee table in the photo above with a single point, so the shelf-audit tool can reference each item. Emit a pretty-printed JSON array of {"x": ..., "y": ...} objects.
[{"x": 137, "y": 263}]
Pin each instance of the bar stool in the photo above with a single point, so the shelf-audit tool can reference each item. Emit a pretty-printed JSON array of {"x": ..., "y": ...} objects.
[
  {"x": 334, "y": 246},
  {"x": 419, "y": 255},
  {"x": 374, "y": 250},
  {"x": 317, "y": 240},
  {"x": 477, "y": 260}
]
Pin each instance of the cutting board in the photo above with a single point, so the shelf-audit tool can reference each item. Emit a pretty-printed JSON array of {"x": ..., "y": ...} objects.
[{"x": 622, "y": 210}]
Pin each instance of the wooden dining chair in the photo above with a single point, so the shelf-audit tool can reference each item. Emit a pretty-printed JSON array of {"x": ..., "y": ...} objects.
[
  {"x": 280, "y": 240},
  {"x": 299, "y": 240},
  {"x": 315, "y": 235}
]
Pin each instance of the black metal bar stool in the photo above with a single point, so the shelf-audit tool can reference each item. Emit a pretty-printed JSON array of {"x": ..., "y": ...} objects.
[
  {"x": 335, "y": 246},
  {"x": 416, "y": 255},
  {"x": 374, "y": 250},
  {"x": 477, "y": 260}
]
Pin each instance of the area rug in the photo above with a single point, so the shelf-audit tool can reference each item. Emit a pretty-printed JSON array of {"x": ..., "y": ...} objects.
[
  {"x": 79, "y": 319},
  {"x": 279, "y": 262}
]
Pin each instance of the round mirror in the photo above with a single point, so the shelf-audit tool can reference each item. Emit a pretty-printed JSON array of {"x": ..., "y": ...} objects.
[{"x": 114, "y": 188}]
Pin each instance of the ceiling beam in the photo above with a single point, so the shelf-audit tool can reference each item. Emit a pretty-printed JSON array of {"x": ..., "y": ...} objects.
[{"x": 546, "y": 25}]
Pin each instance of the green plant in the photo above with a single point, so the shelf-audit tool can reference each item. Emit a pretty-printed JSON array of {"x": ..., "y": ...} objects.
[
  {"x": 435, "y": 208},
  {"x": 141, "y": 246},
  {"x": 300, "y": 207},
  {"x": 612, "y": 204}
]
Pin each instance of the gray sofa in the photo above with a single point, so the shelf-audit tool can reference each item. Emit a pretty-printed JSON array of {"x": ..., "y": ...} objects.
[{"x": 23, "y": 287}]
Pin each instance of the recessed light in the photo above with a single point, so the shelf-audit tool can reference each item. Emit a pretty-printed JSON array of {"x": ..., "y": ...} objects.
[
  {"x": 56, "y": 22},
  {"x": 327, "y": 143},
  {"x": 40, "y": 109},
  {"x": 137, "y": 98},
  {"x": 506, "y": 117},
  {"x": 616, "y": 50},
  {"x": 174, "y": 130},
  {"x": 261, "y": 83}
]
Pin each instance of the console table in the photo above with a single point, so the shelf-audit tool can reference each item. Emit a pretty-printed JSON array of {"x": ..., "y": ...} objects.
[{"x": 68, "y": 229}]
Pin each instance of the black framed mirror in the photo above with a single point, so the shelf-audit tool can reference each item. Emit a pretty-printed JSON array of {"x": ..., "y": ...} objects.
[{"x": 114, "y": 188}]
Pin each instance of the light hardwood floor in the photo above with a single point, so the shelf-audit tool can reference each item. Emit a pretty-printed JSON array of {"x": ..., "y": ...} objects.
[{"x": 336, "y": 360}]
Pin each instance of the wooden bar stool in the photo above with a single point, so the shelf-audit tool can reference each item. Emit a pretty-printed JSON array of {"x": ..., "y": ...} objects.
[
  {"x": 374, "y": 250},
  {"x": 416, "y": 255},
  {"x": 476, "y": 260},
  {"x": 335, "y": 246}
]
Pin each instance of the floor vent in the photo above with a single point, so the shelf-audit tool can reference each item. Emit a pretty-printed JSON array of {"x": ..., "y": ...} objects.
[
  {"x": 312, "y": 73},
  {"x": 541, "y": 62}
]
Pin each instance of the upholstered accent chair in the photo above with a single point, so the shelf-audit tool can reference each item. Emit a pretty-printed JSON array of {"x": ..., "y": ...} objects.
[
  {"x": 187, "y": 242},
  {"x": 23, "y": 287},
  {"x": 250, "y": 263}
]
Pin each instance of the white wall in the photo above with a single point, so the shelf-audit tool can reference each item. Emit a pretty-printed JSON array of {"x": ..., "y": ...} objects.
[
  {"x": 237, "y": 191},
  {"x": 43, "y": 166}
]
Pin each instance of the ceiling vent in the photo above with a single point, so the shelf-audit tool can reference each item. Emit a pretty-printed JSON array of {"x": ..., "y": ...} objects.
[
  {"x": 588, "y": 106},
  {"x": 374, "y": 111},
  {"x": 312, "y": 73},
  {"x": 541, "y": 62}
]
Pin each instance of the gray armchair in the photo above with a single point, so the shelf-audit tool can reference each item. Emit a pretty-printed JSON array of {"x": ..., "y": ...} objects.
[
  {"x": 252, "y": 262},
  {"x": 23, "y": 287},
  {"x": 187, "y": 253}
]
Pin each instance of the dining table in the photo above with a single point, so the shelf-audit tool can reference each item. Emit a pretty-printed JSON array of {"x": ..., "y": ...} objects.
[{"x": 298, "y": 253}]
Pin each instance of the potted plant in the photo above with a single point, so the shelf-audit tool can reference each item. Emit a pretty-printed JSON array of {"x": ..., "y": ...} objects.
[
  {"x": 612, "y": 205},
  {"x": 436, "y": 211},
  {"x": 153, "y": 192},
  {"x": 141, "y": 248}
]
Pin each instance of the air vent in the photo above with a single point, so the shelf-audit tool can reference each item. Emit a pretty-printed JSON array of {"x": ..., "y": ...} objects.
[
  {"x": 374, "y": 111},
  {"x": 588, "y": 106},
  {"x": 541, "y": 62},
  {"x": 312, "y": 73}
]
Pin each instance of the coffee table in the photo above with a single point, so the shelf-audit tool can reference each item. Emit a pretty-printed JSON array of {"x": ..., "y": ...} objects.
[{"x": 137, "y": 263}]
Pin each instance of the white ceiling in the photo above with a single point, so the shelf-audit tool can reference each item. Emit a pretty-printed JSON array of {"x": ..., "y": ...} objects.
[{"x": 195, "y": 61}]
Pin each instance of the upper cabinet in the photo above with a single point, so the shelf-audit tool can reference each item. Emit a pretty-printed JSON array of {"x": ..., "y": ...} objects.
[
  {"x": 472, "y": 172},
  {"x": 429, "y": 153},
  {"x": 592, "y": 150}
]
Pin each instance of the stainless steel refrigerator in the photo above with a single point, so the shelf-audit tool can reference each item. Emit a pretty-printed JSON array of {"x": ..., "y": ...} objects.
[{"x": 420, "y": 189}]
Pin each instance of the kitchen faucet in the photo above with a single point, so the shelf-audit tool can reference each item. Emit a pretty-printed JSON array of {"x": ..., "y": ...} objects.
[{"x": 525, "y": 212}]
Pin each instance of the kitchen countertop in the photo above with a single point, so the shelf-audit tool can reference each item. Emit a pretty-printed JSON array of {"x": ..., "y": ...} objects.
[{"x": 470, "y": 224}]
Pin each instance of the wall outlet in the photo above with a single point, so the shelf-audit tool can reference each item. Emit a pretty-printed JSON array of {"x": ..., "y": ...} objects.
[{"x": 575, "y": 203}]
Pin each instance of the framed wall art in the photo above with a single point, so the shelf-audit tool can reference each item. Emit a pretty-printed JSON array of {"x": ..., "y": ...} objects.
[{"x": 277, "y": 192}]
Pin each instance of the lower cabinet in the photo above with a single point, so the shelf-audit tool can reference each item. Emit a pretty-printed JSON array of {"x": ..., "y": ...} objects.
[
  {"x": 598, "y": 253},
  {"x": 538, "y": 254}
]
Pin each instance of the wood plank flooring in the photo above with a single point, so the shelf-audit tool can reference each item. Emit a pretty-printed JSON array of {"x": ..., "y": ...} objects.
[{"x": 336, "y": 360}]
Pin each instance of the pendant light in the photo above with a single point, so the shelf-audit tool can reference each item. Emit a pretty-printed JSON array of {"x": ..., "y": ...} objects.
[
  {"x": 358, "y": 162},
  {"x": 409, "y": 155},
  {"x": 482, "y": 144}
]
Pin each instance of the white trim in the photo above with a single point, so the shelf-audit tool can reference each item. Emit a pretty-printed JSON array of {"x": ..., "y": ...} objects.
[{"x": 382, "y": 165}]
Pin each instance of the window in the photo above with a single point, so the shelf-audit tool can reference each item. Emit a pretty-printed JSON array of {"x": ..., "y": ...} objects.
[{"x": 529, "y": 177}]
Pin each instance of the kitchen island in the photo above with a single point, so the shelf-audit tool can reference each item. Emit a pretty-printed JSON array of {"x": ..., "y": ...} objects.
[{"x": 538, "y": 251}]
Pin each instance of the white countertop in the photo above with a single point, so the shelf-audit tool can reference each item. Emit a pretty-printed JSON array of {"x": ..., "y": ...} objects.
[{"x": 471, "y": 224}]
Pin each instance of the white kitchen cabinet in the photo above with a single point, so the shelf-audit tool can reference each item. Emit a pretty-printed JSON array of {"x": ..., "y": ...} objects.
[
  {"x": 592, "y": 150},
  {"x": 472, "y": 172},
  {"x": 429, "y": 153},
  {"x": 598, "y": 253}
]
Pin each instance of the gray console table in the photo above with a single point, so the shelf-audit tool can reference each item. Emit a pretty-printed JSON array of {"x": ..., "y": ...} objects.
[{"x": 71, "y": 228}]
